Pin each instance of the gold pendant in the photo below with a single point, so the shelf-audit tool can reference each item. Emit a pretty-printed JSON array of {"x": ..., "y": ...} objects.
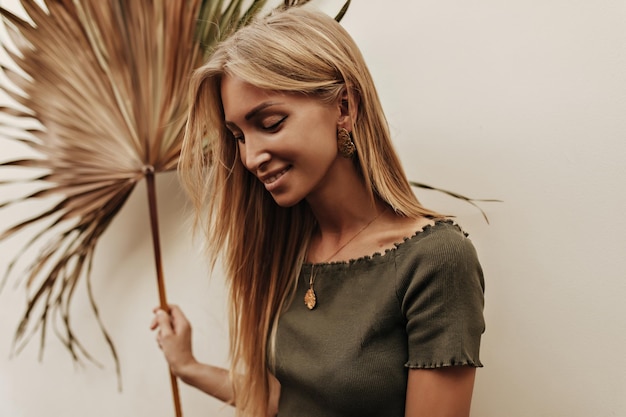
[{"x": 310, "y": 301}]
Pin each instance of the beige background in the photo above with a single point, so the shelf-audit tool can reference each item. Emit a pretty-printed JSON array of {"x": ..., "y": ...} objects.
[{"x": 524, "y": 101}]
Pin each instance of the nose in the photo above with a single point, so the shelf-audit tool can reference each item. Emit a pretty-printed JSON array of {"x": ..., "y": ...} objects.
[{"x": 254, "y": 154}]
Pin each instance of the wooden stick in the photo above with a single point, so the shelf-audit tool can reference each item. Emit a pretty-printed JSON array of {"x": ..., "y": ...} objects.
[{"x": 154, "y": 226}]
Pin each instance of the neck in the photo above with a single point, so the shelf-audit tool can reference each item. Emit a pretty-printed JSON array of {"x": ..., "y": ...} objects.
[
  {"x": 329, "y": 242},
  {"x": 344, "y": 208}
]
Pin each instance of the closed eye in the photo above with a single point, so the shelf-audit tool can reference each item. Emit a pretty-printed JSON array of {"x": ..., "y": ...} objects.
[
  {"x": 273, "y": 126},
  {"x": 238, "y": 136}
]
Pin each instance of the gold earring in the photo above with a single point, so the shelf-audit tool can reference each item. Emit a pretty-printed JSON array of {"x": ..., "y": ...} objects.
[{"x": 344, "y": 143}]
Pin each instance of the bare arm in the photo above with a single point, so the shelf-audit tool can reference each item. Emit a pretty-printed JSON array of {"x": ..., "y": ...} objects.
[
  {"x": 174, "y": 338},
  {"x": 443, "y": 392}
]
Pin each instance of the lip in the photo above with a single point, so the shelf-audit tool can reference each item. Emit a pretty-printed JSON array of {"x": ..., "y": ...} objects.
[{"x": 272, "y": 180}]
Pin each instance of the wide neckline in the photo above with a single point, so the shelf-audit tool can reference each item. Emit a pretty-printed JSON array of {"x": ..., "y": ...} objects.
[{"x": 398, "y": 245}]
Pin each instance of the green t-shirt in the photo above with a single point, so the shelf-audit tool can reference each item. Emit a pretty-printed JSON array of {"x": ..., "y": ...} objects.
[{"x": 418, "y": 305}]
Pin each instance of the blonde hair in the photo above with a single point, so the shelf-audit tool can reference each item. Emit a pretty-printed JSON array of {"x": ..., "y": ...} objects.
[{"x": 263, "y": 245}]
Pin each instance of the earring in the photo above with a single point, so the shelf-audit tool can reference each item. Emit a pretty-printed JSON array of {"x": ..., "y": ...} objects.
[{"x": 344, "y": 143}]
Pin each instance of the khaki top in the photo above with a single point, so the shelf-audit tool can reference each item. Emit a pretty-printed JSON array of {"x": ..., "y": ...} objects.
[{"x": 418, "y": 305}]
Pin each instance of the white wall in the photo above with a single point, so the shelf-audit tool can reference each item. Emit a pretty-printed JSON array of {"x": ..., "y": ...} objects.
[{"x": 518, "y": 100}]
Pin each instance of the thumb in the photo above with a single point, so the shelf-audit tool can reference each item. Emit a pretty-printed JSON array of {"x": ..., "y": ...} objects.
[{"x": 164, "y": 322}]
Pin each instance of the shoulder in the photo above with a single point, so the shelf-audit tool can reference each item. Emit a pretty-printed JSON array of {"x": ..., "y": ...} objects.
[
  {"x": 440, "y": 253},
  {"x": 441, "y": 240},
  {"x": 440, "y": 290}
]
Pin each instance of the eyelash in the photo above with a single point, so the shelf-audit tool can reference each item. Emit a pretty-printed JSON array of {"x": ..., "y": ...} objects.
[
  {"x": 271, "y": 128},
  {"x": 275, "y": 125},
  {"x": 237, "y": 137}
]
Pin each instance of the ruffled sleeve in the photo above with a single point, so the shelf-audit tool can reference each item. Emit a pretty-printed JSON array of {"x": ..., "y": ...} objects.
[{"x": 441, "y": 294}]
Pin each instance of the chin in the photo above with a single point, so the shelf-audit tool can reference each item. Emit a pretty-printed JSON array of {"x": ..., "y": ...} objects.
[{"x": 286, "y": 201}]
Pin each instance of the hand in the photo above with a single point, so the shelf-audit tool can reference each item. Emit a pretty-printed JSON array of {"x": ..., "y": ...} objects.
[{"x": 174, "y": 338}]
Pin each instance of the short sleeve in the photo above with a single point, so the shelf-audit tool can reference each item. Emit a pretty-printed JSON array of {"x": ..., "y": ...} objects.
[{"x": 441, "y": 290}]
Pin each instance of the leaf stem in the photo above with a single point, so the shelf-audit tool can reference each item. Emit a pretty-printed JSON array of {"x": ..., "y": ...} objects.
[{"x": 154, "y": 226}]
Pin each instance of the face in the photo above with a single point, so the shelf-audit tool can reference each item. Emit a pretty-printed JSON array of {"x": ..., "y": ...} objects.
[{"x": 288, "y": 141}]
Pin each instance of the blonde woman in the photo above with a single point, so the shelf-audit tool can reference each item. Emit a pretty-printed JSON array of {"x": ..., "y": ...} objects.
[{"x": 347, "y": 297}]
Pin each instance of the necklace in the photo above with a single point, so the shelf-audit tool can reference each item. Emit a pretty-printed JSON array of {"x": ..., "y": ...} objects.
[{"x": 310, "y": 299}]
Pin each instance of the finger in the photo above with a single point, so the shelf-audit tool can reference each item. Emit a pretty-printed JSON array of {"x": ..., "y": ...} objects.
[
  {"x": 154, "y": 323},
  {"x": 164, "y": 323},
  {"x": 179, "y": 320},
  {"x": 177, "y": 315},
  {"x": 175, "y": 311}
]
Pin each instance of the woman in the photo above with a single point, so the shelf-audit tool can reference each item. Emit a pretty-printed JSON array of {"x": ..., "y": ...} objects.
[{"x": 348, "y": 298}]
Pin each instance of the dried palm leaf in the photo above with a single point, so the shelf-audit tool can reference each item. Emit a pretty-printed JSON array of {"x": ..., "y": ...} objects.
[
  {"x": 98, "y": 90},
  {"x": 469, "y": 200}
]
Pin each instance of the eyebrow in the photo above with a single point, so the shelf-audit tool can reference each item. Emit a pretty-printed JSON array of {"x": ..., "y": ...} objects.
[
  {"x": 258, "y": 108},
  {"x": 253, "y": 112}
]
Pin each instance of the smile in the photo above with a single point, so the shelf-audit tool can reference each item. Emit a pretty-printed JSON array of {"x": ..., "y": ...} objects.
[{"x": 274, "y": 177}]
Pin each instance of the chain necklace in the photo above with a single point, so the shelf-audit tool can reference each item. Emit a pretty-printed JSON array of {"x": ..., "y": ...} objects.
[{"x": 310, "y": 299}]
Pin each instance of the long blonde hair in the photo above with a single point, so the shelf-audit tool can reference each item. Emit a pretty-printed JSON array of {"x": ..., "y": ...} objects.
[{"x": 262, "y": 244}]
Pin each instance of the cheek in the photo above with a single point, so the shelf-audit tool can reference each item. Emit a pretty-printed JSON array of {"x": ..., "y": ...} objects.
[{"x": 326, "y": 141}]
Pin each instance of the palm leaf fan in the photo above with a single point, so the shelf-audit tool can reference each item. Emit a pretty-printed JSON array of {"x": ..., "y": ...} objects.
[
  {"x": 98, "y": 92},
  {"x": 109, "y": 109}
]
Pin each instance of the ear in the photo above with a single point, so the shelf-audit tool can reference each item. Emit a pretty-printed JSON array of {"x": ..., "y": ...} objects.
[{"x": 348, "y": 105}]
